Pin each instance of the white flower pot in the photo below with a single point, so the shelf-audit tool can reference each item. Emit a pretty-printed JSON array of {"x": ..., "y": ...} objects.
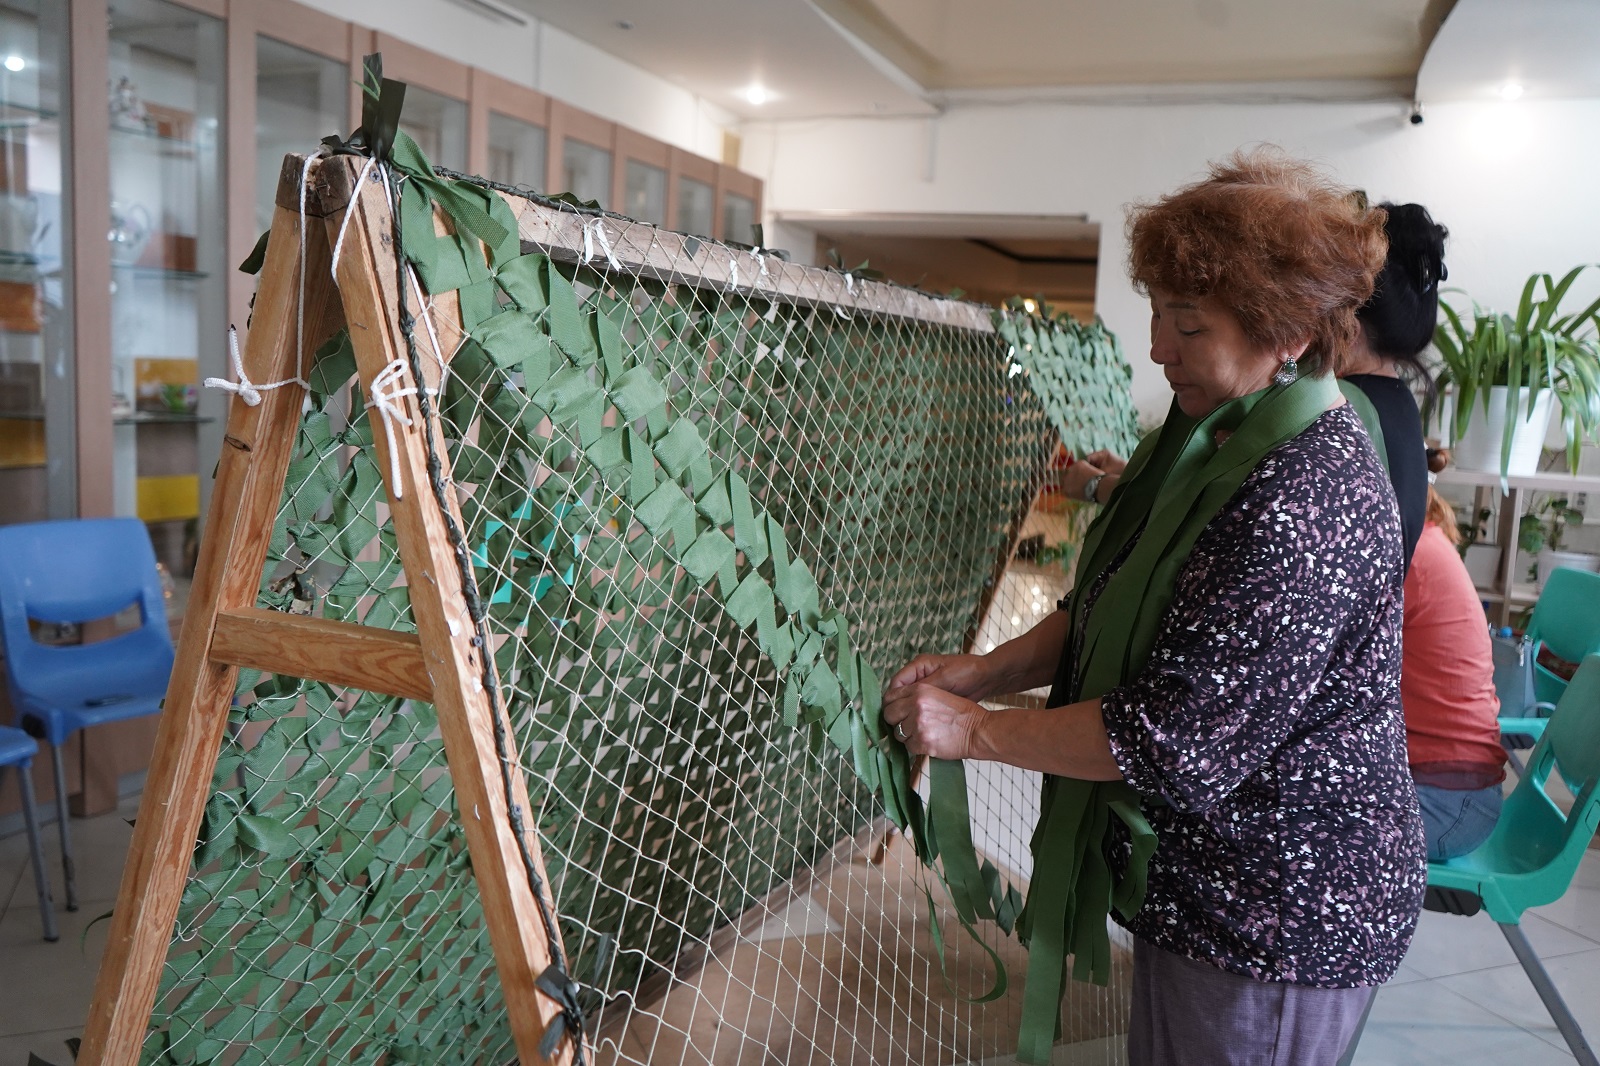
[
  {"x": 1550, "y": 561},
  {"x": 1479, "y": 446},
  {"x": 1483, "y": 563}
]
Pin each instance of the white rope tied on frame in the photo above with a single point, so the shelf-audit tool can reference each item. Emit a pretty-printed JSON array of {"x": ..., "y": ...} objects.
[
  {"x": 733, "y": 272},
  {"x": 389, "y": 389},
  {"x": 338, "y": 245},
  {"x": 594, "y": 231},
  {"x": 244, "y": 388}
]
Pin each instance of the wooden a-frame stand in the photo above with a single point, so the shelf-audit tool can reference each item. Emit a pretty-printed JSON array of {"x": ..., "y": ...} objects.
[{"x": 223, "y": 629}]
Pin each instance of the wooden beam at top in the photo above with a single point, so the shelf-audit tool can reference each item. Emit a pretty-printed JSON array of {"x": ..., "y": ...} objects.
[{"x": 339, "y": 653}]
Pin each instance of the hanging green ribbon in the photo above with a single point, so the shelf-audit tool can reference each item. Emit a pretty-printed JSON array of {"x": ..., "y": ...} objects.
[{"x": 1176, "y": 482}]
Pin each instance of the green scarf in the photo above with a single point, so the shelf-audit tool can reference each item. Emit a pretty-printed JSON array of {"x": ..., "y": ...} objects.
[{"x": 1176, "y": 482}]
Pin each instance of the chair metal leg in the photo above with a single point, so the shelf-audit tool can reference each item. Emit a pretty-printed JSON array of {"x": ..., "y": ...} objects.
[
  {"x": 1514, "y": 761},
  {"x": 1570, "y": 1031},
  {"x": 68, "y": 869},
  {"x": 41, "y": 879}
]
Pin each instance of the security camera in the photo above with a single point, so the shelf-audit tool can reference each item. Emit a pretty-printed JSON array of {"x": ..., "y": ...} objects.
[{"x": 1416, "y": 112}]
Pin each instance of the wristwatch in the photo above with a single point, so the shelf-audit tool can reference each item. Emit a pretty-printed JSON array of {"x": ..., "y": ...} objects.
[{"x": 1091, "y": 487}]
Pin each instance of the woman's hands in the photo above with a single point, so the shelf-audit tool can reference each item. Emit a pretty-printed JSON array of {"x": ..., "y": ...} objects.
[
  {"x": 1107, "y": 460},
  {"x": 1103, "y": 463},
  {"x": 929, "y": 704},
  {"x": 962, "y": 675},
  {"x": 933, "y": 721}
]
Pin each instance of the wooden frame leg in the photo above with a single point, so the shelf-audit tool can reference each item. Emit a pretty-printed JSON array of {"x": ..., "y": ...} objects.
[{"x": 244, "y": 503}]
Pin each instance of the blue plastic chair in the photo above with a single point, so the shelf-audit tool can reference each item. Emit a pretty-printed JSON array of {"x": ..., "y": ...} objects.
[
  {"x": 79, "y": 571},
  {"x": 18, "y": 749},
  {"x": 1530, "y": 858}
]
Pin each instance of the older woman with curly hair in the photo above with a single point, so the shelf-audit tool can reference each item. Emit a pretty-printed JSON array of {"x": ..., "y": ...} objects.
[{"x": 1224, "y": 751}]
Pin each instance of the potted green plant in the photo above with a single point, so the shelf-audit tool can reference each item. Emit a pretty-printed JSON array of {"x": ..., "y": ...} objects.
[
  {"x": 1541, "y": 533},
  {"x": 1512, "y": 367}
]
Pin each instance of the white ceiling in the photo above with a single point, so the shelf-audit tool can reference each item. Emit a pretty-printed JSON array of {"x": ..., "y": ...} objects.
[
  {"x": 717, "y": 48},
  {"x": 863, "y": 57},
  {"x": 874, "y": 57},
  {"x": 1549, "y": 47}
]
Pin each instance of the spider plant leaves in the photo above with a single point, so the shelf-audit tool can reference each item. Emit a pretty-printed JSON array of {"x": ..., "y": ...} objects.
[{"x": 1538, "y": 348}]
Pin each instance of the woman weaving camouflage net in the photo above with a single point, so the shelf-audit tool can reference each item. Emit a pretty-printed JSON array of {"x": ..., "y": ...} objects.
[{"x": 1229, "y": 661}]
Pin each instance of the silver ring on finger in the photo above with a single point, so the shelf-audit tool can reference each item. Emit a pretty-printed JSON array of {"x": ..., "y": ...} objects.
[{"x": 900, "y": 731}]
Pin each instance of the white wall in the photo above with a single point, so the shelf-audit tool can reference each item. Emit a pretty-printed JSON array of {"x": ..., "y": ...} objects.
[
  {"x": 552, "y": 61},
  {"x": 1515, "y": 183}
]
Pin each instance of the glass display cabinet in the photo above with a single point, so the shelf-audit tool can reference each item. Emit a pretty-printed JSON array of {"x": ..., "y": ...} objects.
[
  {"x": 37, "y": 402},
  {"x": 166, "y": 241},
  {"x": 518, "y": 151},
  {"x": 738, "y": 218},
  {"x": 438, "y": 124},
  {"x": 301, "y": 97}
]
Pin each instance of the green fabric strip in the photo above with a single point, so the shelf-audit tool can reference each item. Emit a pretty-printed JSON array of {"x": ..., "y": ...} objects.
[{"x": 1362, "y": 405}]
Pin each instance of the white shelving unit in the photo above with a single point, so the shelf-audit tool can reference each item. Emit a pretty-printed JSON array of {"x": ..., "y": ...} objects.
[{"x": 1506, "y": 593}]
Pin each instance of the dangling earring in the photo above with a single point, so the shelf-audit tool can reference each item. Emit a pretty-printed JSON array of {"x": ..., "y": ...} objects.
[{"x": 1287, "y": 373}]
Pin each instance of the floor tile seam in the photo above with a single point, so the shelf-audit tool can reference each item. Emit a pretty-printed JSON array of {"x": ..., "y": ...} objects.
[
  {"x": 1548, "y": 1032},
  {"x": 74, "y": 1029},
  {"x": 16, "y": 886},
  {"x": 1512, "y": 1022},
  {"x": 1568, "y": 929}
]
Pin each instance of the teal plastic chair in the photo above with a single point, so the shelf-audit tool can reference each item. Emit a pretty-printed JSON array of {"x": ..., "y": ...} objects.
[
  {"x": 1534, "y": 851},
  {"x": 1566, "y": 619}
]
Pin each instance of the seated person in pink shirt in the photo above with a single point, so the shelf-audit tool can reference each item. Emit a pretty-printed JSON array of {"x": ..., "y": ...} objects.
[{"x": 1447, "y": 692}]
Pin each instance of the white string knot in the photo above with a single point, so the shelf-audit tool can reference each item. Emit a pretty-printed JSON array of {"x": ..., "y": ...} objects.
[
  {"x": 733, "y": 272},
  {"x": 594, "y": 230},
  {"x": 761, "y": 261},
  {"x": 244, "y": 388},
  {"x": 389, "y": 389},
  {"x": 850, "y": 284}
]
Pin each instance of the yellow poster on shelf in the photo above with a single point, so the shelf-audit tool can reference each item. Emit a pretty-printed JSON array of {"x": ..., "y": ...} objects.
[{"x": 166, "y": 499}]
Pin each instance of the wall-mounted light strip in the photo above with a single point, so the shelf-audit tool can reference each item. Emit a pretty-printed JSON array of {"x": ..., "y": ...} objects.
[{"x": 491, "y": 9}]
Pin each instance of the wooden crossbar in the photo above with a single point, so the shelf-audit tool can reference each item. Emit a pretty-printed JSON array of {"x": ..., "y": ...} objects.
[
  {"x": 377, "y": 660},
  {"x": 224, "y": 630}
]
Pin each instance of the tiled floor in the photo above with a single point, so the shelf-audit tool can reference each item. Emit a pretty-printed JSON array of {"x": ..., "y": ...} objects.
[{"x": 1460, "y": 998}]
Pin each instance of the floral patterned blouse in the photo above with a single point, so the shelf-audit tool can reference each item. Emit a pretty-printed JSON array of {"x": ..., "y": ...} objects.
[{"x": 1265, "y": 731}]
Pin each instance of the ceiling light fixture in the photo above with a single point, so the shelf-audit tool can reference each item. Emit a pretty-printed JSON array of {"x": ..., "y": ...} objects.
[
  {"x": 1029, "y": 306},
  {"x": 1510, "y": 91},
  {"x": 757, "y": 95},
  {"x": 493, "y": 9},
  {"x": 15, "y": 63}
]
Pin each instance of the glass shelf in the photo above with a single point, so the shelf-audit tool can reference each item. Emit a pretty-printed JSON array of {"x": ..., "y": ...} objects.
[
  {"x": 160, "y": 273},
  {"x": 161, "y": 418},
  {"x": 154, "y": 135}
]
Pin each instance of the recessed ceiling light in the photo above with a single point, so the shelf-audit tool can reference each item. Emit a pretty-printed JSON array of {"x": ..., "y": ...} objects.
[
  {"x": 1510, "y": 91},
  {"x": 15, "y": 63},
  {"x": 757, "y": 94}
]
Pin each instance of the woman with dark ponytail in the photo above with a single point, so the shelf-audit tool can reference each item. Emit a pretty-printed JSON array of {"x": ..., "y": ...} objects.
[{"x": 1386, "y": 359}]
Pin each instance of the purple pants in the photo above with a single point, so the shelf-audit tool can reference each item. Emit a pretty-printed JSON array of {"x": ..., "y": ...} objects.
[{"x": 1193, "y": 1014}]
